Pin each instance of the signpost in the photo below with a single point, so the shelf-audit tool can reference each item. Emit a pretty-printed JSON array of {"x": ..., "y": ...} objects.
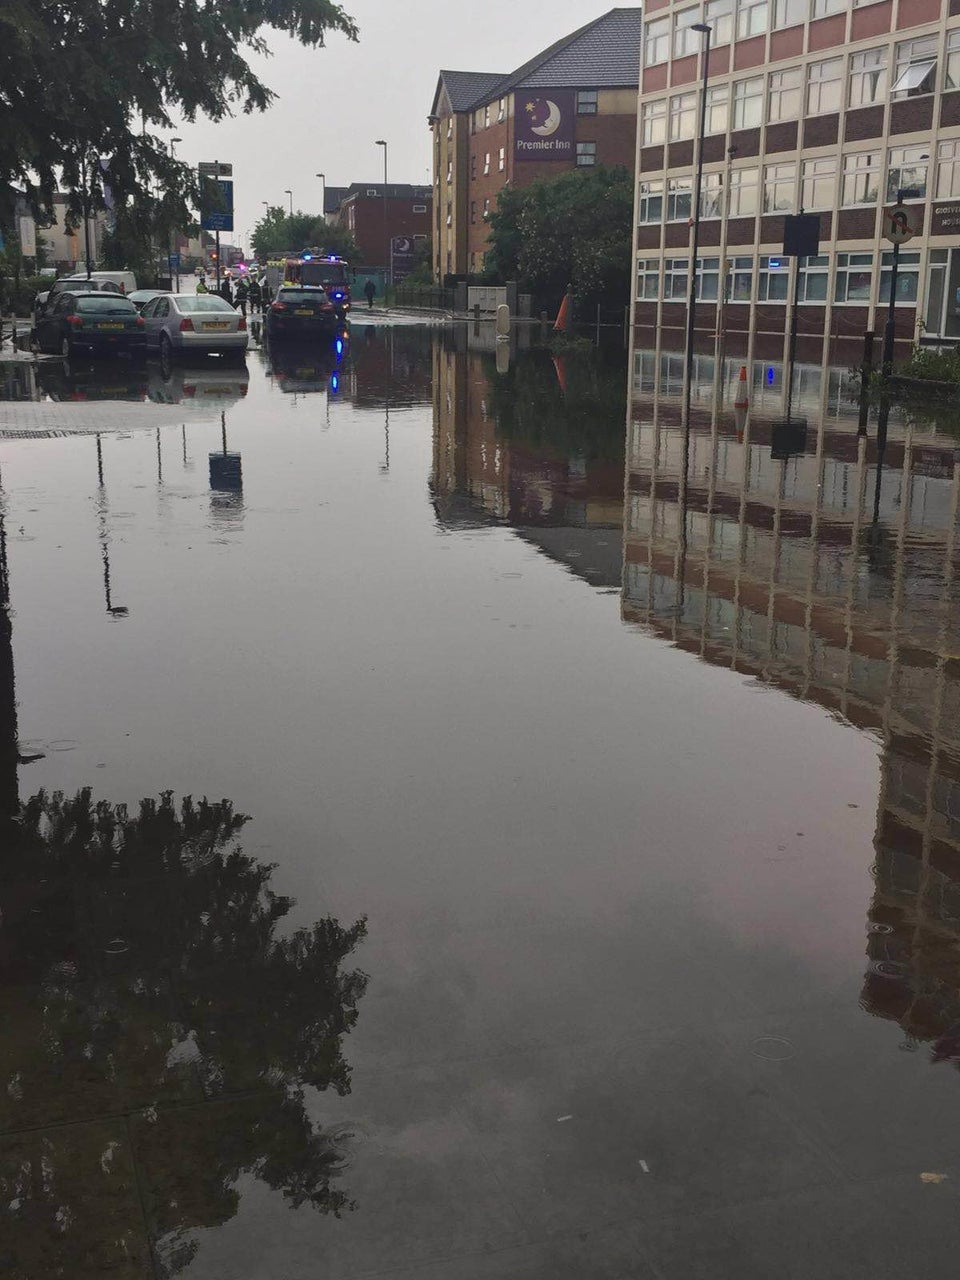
[
  {"x": 898, "y": 228},
  {"x": 801, "y": 239},
  {"x": 221, "y": 218}
]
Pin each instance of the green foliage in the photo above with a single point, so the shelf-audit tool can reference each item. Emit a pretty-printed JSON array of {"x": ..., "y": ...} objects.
[
  {"x": 932, "y": 365},
  {"x": 85, "y": 81},
  {"x": 18, "y": 292},
  {"x": 574, "y": 229},
  {"x": 277, "y": 232}
]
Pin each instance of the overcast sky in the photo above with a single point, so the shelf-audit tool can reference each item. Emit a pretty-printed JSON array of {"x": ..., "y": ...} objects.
[{"x": 334, "y": 102}]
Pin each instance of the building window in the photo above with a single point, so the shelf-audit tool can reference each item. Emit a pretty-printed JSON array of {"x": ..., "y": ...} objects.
[
  {"x": 718, "y": 14},
  {"x": 502, "y": 159},
  {"x": 823, "y": 8},
  {"x": 951, "y": 76},
  {"x": 449, "y": 127},
  {"x": 679, "y": 191},
  {"x": 711, "y": 196},
  {"x": 743, "y": 192},
  {"x": 486, "y": 208},
  {"x": 773, "y": 282},
  {"x": 739, "y": 273},
  {"x": 648, "y": 278},
  {"x": 676, "y": 277},
  {"x": 419, "y": 208},
  {"x": 818, "y": 183},
  {"x": 915, "y": 67},
  {"x": 784, "y": 94},
  {"x": 907, "y": 173},
  {"x": 486, "y": 162},
  {"x": 948, "y": 170},
  {"x": 752, "y": 18},
  {"x": 685, "y": 39},
  {"x": 854, "y": 279},
  {"x": 813, "y": 278},
  {"x": 718, "y": 108},
  {"x": 861, "y": 179},
  {"x": 653, "y": 122},
  {"x": 824, "y": 86},
  {"x": 587, "y": 102},
  {"x": 656, "y": 42},
  {"x": 473, "y": 166},
  {"x": 650, "y": 201},
  {"x": 372, "y": 191},
  {"x": 473, "y": 213},
  {"x": 908, "y": 277},
  {"x": 586, "y": 154},
  {"x": 789, "y": 13},
  {"x": 748, "y": 103},
  {"x": 779, "y": 188},
  {"x": 449, "y": 170},
  {"x": 501, "y": 109},
  {"x": 683, "y": 116},
  {"x": 486, "y": 116},
  {"x": 868, "y": 77},
  {"x": 708, "y": 279},
  {"x": 449, "y": 214}
]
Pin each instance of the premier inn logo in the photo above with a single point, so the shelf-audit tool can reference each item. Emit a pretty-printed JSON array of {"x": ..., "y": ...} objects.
[
  {"x": 545, "y": 128},
  {"x": 544, "y": 116}
]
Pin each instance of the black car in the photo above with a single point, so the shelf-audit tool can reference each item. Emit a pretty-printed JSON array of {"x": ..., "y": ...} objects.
[
  {"x": 100, "y": 323},
  {"x": 45, "y": 301},
  {"x": 301, "y": 313}
]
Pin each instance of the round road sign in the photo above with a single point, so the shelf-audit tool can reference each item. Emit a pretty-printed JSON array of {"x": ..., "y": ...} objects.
[{"x": 898, "y": 224}]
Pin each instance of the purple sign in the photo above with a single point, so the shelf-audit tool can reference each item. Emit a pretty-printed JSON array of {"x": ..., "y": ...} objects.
[{"x": 544, "y": 125}]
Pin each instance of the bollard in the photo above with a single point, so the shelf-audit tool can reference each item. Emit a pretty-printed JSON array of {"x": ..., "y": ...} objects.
[{"x": 503, "y": 321}]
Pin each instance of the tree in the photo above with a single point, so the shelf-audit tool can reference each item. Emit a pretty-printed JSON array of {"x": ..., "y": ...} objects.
[
  {"x": 85, "y": 83},
  {"x": 574, "y": 229},
  {"x": 278, "y": 232}
]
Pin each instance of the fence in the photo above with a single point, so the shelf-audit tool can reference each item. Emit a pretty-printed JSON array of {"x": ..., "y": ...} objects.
[{"x": 424, "y": 297}]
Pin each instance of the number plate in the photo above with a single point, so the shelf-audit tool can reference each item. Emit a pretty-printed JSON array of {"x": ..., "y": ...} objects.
[
  {"x": 217, "y": 324},
  {"x": 303, "y": 311},
  {"x": 110, "y": 326}
]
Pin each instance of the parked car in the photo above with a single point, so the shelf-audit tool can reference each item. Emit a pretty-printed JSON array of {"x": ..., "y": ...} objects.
[
  {"x": 43, "y": 301},
  {"x": 186, "y": 323},
  {"x": 91, "y": 321},
  {"x": 140, "y": 297},
  {"x": 301, "y": 313},
  {"x": 126, "y": 281}
]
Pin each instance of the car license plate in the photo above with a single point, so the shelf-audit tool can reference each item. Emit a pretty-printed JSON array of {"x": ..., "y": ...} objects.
[
  {"x": 110, "y": 326},
  {"x": 217, "y": 324},
  {"x": 303, "y": 311}
]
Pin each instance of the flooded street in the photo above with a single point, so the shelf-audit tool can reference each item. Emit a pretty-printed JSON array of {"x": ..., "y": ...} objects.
[{"x": 570, "y": 888}]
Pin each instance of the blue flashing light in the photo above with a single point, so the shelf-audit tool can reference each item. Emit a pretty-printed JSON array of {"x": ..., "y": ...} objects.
[
  {"x": 774, "y": 263},
  {"x": 338, "y": 296},
  {"x": 306, "y": 257},
  {"x": 339, "y": 345},
  {"x": 770, "y": 376},
  {"x": 335, "y": 383}
]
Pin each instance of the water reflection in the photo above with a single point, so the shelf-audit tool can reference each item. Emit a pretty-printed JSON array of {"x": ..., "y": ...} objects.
[
  {"x": 160, "y": 1031},
  {"x": 829, "y": 570}
]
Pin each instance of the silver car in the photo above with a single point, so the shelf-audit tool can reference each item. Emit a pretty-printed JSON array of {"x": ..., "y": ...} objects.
[{"x": 184, "y": 324}]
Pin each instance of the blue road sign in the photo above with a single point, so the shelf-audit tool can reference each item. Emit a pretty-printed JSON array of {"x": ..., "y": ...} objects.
[
  {"x": 220, "y": 219},
  {"x": 174, "y": 261}
]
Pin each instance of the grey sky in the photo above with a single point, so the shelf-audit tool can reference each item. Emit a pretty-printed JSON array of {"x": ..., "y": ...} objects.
[{"x": 333, "y": 103}]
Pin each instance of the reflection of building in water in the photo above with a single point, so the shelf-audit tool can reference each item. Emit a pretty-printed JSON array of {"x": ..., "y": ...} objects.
[
  {"x": 777, "y": 568},
  {"x": 390, "y": 367},
  {"x": 519, "y": 450},
  {"x": 9, "y": 751}
]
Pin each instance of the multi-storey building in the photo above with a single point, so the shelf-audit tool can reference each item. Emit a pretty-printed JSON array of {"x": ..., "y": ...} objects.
[
  {"x": 830, "y": 106},
  {"x": 572, "y": 105},
  {"x": 374, "y": 222}
]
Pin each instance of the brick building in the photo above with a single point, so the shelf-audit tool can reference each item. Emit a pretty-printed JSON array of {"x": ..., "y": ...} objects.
[
  {"x": 361, "y": 211},
  {"x": 572, "y": 105},
  {"x": 832, "y": 106}
]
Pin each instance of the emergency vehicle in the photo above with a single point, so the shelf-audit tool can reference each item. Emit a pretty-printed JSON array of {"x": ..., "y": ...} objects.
[{"x": 313, "y": 269}]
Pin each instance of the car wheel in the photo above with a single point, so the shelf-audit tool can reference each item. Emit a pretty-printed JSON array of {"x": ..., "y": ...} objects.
[{"x": 166, "y": 347}]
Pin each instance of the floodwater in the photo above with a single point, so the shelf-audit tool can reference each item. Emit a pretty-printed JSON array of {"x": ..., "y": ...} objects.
[{"x": 503, "y": 856}]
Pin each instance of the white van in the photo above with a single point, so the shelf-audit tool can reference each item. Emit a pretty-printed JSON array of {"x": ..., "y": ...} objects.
[{"x": 125, "y": 279}]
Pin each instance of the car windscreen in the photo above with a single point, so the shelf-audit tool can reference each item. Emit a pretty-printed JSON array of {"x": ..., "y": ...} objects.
[
  {"x": 73, "y": 286},
  {"x": 102, "y": 302},
  {"x": 203, "y": 302},
  {"x": 322, "y": 273},
  {"x": 301, "y": 295}
]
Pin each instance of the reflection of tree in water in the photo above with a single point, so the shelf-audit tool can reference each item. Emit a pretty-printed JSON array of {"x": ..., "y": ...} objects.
[{"x": 160, "y": 994}]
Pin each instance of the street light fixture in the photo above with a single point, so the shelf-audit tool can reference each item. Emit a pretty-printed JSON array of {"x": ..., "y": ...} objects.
[
  {"x": 288, "y": 192},
  {"x": 173, "y": 141},
  {"x": 705, "y": 30},
  {"x": 323, "y": 198},
  {"x": 381, "y": 142}
]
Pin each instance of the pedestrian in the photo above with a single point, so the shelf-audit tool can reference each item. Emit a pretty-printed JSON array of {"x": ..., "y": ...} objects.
[
  {"x": 266, "y": 293},
  {"x": 226, "y": 290},
  {"x": 241, "y": 295},
  {"x": 202, "y": 286},
  {"x": 370, "y": 289},
  {"x": 256, "y": 295}
]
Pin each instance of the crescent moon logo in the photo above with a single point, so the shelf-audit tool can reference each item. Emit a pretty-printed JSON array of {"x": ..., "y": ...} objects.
[{"x": 552, "y": 122}]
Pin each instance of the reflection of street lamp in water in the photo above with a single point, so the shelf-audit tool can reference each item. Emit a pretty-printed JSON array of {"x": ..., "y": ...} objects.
[{"x": 115, "y": 610}]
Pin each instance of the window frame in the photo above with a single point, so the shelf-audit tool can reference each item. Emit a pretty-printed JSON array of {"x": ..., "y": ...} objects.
[
  {"x": 777, "y": 182},
  {"x": 781, "y": 93},
  {"x": 647, "y": 269},
  {"x": 678, "y": 116},
  {"x": 852, "y": 172},
  {"x": 650, "y": 113},
  {"x": 586, "y": 159},
  {"x": 740, "y": 100},
  {"x": 657, "y": 38},
  {"x": 859, "y": 75},
  {"x": 846, "y": 268},
  {"x": 820, "y": 82},
  {"x": 588, "y": 102},
  {"x": 816, "y": 170}
]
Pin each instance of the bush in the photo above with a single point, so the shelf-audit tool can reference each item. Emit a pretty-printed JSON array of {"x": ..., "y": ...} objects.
[
  {"x": 18, "y": 298},
  {"x": 932, "y": 365}
]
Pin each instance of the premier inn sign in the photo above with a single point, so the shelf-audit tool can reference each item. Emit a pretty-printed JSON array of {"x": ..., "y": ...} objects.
[{"x": 544, "y": 126}]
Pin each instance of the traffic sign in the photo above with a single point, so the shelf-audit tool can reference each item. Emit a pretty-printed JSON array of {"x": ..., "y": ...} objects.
[
  {"x": 219, "y": 219},
  {"x": 174, "y": 260},
  {"x": 898, "y": 225},
  {"x": 215, "y": 169}
]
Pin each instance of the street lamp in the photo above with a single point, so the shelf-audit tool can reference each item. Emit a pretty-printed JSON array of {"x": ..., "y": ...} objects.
[
  {"x": 705, "y": 31},
  {"x": 323, "y": 198},
  {"x": 381, "y": 142},
  {"x": 288, "y": 192},
  {"x": 173, "y": 141}
]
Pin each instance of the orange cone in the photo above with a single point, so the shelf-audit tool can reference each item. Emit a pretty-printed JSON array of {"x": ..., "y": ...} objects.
[
  {"x": 561, "y": 373},
  {"x": 743, "y": 395},
  {"x": 563, "y": 315}
]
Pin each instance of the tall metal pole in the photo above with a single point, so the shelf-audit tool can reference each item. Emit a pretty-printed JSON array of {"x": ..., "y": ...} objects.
[
  {"x": 705, "y": 31},
  {"x": 381, "y": 142},
  {"x": 323, "y": 196},
  {"x": 86, "y": 212},
  {"x": 889, "y": 331},
  {"x": 170, "y": 231}
]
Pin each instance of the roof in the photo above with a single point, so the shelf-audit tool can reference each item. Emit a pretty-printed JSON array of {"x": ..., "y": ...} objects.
[
  {"x": 395, "y": 191},
  {"x": 603, "y": 54},
  {"x": 332, "y": 197}
]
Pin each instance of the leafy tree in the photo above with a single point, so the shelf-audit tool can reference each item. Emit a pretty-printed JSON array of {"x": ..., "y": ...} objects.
[
  {"x": 159, "y": 983},
  {"x": 574, "y": 229},
  {"x": 87, "y": 82},
  {"x": 278, "y": 231}
]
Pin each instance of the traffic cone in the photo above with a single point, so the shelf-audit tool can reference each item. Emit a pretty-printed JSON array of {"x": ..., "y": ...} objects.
[
  {"x": 561, "y": 373},
  {"x": 740, "y": 421},
  {"x": 743, "y": 395},
  {"x": 562, "y": 322}
]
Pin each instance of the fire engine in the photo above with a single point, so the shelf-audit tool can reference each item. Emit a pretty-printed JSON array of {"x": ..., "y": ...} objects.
[{"x": 313, "y": 269}]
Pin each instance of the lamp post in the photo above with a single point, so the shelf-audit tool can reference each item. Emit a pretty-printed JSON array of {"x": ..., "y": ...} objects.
[
  {"x": 173, "y": 141},
  {"x": 288, "y": 192},
  {"x": 905, "y": 233},
  {"x": 705, "y": 31},
  {"x": 381, "y": 142},
  {"x": 323, "y": 196}
]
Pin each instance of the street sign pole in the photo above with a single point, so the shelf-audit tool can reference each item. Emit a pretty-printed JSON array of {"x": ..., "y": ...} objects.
[
  {"x": 216, "y": 174},
  {"x": 896, "y": 229}
]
